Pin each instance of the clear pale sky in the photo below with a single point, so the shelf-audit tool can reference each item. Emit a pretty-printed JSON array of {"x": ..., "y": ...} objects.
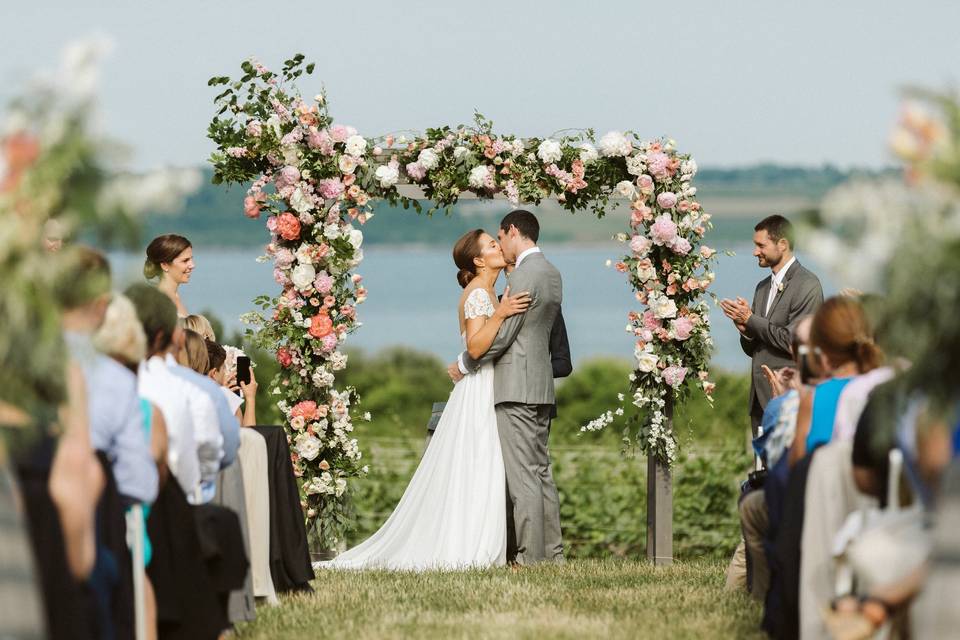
[{"x": 733, "y": 82}]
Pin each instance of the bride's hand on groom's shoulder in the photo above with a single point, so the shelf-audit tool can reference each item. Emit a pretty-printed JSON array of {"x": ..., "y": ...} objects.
[{"x": 512, "y": 305}]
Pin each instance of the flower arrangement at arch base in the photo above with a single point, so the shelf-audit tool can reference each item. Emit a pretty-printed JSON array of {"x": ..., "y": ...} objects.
[{"x": 315, "y": 183}]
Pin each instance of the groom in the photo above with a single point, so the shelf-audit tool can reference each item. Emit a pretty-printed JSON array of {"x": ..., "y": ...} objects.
[{"x": 523, "y": 390}]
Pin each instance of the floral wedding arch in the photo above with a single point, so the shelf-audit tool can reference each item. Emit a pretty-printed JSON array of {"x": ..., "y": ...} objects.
[{"x": 316, "y": 181}]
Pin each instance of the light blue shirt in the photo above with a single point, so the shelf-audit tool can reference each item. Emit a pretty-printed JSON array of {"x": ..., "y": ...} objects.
[
  {"x": 229, "y": 425},
  {"x": 116, "y": 422}
]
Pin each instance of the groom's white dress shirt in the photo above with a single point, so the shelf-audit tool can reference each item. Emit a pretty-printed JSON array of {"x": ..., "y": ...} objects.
[
  {"x": 775, "y": 280},
  {"x": 520, "y": 258}
]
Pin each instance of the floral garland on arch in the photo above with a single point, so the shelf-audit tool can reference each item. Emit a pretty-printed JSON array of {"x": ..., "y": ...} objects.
[{"x": 316, "y": 181}]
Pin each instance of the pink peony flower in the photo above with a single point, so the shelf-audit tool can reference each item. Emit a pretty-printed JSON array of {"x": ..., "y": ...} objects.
[
  {"x": 640, "y": 245},
  {"x": 330, "y": 342},
  {"x": 651, "y": 321},
  {"x": 682, "y": 327},
  {"x": 283, "y": 258},
  {"x": 284, "y": 357},
  {"x": 667, "y": 200},
  {"x": 657, "y": 164},
  {"x": 288, "y": 226},
  {"x": 251, "y": 208},
  {"x": 320, "y": 325},
  {"x": 323, "y": 283},
  {"x": 681, "y": 246},
  {"x": 330, "y": 188},
  {"x": 272, "y": 224},
  {"x": 674, "y": 375},
  {"x": 320, "y": 140},
  {"x": 416, "y": 170},
  {"x": 339, "y": 133},
  {"x": 288, "y": 176},
  {"x": 663, "y": 230}
]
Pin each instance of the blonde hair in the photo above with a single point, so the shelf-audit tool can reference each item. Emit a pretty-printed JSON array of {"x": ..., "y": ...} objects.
[
  {"x": 201, "y": 325},
  {"x": 121, "y": 335},
  {"x": 195, "y": 350}
]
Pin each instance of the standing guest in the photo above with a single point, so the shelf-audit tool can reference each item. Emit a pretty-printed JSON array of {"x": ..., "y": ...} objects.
[
  {"x": 170, "y": 262},
  {"x": 765, "y": 326},
  {"x": 779, "y": 301}
]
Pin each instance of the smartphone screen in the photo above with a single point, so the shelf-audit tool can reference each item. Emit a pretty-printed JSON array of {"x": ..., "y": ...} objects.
[{"x": 243, "y": 369}]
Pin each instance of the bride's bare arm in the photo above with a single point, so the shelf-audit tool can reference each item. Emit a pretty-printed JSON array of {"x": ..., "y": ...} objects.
[{"x": 482, "y": 331}]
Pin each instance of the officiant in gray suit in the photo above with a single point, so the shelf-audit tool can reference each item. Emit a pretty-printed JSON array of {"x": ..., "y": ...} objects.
[
  {"x": 779, "y": 302},
  {"x": 523, "y": 390}
]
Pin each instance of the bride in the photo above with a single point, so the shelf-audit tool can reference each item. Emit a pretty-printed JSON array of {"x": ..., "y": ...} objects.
[{"x": 453, "y": 513}]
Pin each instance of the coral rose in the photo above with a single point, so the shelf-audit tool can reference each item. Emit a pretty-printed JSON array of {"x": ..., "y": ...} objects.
[
  {"x": 288, "y": 226},
  {"x": 320, "y": 325}
]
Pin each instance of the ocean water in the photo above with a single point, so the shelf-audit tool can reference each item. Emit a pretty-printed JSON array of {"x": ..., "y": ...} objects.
[{"x": 413, "y": 295}]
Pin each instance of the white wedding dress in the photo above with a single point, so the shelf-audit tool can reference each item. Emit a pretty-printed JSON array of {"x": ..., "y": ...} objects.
[{"x": 453, "y": 513}]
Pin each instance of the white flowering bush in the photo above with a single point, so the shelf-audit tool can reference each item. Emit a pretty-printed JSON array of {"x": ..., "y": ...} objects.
[{"x": 315, "y": 181}]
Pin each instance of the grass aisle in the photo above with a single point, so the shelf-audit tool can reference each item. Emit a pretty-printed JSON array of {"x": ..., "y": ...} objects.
[{"x": 583, "y": 599}]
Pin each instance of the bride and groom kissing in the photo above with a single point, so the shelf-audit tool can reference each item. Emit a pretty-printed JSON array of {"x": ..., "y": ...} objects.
[{"x": 488, "y": 454}]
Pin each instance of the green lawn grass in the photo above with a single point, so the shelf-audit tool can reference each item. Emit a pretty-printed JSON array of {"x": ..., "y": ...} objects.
[{"x": 583, "y": 599}]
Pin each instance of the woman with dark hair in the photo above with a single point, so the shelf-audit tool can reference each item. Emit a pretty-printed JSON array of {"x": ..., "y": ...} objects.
[
  {"x": 453, "y": 513},
  {"x": 170, "y": 262}
]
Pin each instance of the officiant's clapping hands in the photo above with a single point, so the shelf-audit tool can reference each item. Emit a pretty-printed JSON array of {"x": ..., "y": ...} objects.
[{"x": 737, "y": 310}]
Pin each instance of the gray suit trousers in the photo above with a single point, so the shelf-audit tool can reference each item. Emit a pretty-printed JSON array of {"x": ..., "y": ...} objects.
[{"x": 532, "y": 493}]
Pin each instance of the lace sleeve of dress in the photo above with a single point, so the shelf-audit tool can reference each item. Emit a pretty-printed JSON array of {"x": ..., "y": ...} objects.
[{"x": 477, "y": 304}]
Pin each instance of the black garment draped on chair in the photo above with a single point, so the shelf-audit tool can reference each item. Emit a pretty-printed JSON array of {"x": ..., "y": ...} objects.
[{"x": 289, "y": 554}]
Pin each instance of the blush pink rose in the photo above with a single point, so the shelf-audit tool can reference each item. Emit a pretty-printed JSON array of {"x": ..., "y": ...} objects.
[
  {"x": 640, "y": 245},
  {"x": 288, "y": 226},
  {"x": 288, "y": 176},
  {"x": 651, "y": 321},
  {"x": 674, "y": 375},
  {"x": 416, "y": 170},
  {"x": 284, "y": 357},
  {"x": 706, "y": 252},
  {"x": 682, "y": 327},
  {"x": 663, "y": 230},
  {"x": 323, "y": 283},
  {"x": 667, "y": 200},
  {"x": 339, "y": 133},
  {"x": 645, "y": 184},
  {"x": 251, "y": 208}
]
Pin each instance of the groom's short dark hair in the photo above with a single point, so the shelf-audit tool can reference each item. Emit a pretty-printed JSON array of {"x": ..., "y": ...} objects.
[
  {"x": 777, "y": 227},
  {"x": 525, "y": 222}
]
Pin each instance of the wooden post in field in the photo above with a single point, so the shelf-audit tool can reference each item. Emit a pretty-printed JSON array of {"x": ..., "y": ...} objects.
[{"x": 660, "y": 505}]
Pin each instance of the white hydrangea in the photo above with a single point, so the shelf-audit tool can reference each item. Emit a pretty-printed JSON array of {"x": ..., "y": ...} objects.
[
  {"x": 615, "y": 144},
  {"x": 478, "y": 176},
  {"x": 332, "y": 231},
  {"x": 428, "y": 159},
  {"x": 636, "y": 165},
  {"x": 459, "y": 152},
  {"x": 688, "y": 168},
  {"x": 322, "y": 378},
  {"x": 338, "y": 361},
  {"x": 549, "y": 151},
  {"x": 517, "y": 146},
  {"x": 588, "y": 153},
  {"x": 300, "y": 202}
]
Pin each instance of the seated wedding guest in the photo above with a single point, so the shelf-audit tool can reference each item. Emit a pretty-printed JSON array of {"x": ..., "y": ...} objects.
[
  {"x": 248, "y": 391},
  {"x": 844, "y": 348},
  {"x": 170, "y": 262},
  {"x": 157, "y": 384},
  {"x": 201, "y": 325},
  {"x": 115, "y": 419}
]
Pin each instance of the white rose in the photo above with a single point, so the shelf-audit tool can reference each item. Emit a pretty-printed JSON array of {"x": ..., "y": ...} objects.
[
  {"x": 356, "y": 146},
  {"x": 459, "y": 152},
  {"x": 517, "y": 146},
  {"x": 332, "y": 231},
  {"x": 626, "y": 189},
  {"x": 690, "y": 191},
  {"x": 341, "y": 486},
  {"x": 588, "y": 153},
  {"x": 663, "y": 307},
  {"x": 549, "y": 151},
  {"x": 356, "y": 238},
  {"x": 428, "y": 159},
  {"x": 291, "y": 156},
  {"x": 307, "y": 446},
  {"x": 303, "y": 254},
  {"x": 347, "y": 164},
  {"x": 274, "y": 123},
  {"x": 646, "y": 360},
  {"x": 300, "y": 202},
  {"x": 478, "y": 176},
  {"x": 303, "y": 276},
  {"x": 614, "y": 144},
  {"x": 388, "y": 175},
  {"x": 646, "y": 273}
]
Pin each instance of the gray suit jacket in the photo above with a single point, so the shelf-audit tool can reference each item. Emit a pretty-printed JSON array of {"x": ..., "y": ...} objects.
[
  {"x": 768, "y": 335},
  {"x": 521, "y": 351}
]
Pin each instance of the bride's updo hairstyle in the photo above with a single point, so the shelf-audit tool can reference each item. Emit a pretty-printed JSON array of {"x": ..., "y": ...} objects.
[
  {"x": 162, "y": 249},
  {"x": 843, "y": 334},
  {"x": 465, "y": 251}
]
